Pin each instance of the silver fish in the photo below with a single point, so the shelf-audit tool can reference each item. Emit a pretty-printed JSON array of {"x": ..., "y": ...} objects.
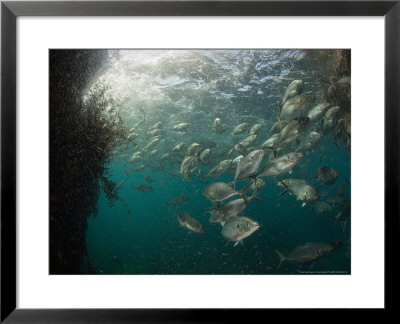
[
  {"x": 296, "y": 107},
  {"x": 177, "y": 147},
  {"x": 344, "y": 215},
  {"x": 165, "y": 156},
  {"x": 204, "y": 155},
  {"x": 321, "y": 207},
  {"x": 317, "y": 112},
  {"x": 152, "y": 143},
  {"x": 276, "y": 128},
  {"x": 256, "y": 185},
  {"x": 240, "y": 129},
  {"x": 155, "y": 132},
  {"x": 132, "y": 136},
  {"x": 190, "y": 223},
  {"x": 238, "y": 228},
  {"x": 270, "y": 142},
  {"x": 308, "y": 253},
  {"x": 248, "y": 141},
  {"x": 182, "y": 127},
  {"x": 193, "y": 149},
  {"x": 217, "y": 126},
  {"x": 139, "y": 168},
  {"x": 309, "y": 141},
  {"x": 291, "y": 132},
  {"x": 327, "y": 175},
  {"x": 155, "y": 126},
  {"x": 241, "y": 149},
  {"x": 187, "y": 162},
  {"x": 300, "y": 188},
  {"x": 281, "y": 164},
  {"x": 219, "y": 169},
  {"x": 230, "y": 209},
  {"x": 248, "y": 165},
  {"x": 178, "y": 200},
  {"x": 255, "y": 129},
  {"x": 237, "y": 159},
  {"x": 295, "y": 88},
  {"x": 136, "y": 157},
  {"x": 330, "y": 119},
  {"x": 219, "y": 191}
]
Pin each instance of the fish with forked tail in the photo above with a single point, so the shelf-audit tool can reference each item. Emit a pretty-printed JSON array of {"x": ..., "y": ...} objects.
[{"x": 308, "y": 253}]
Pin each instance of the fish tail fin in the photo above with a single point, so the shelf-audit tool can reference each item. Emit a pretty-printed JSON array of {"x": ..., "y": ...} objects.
[
  {"x": 271, "y": 148},
  {"x": 286, "y": 188},
  {"x": 243, "y": 191},
  {"x": 203, "y": 178},
  {"x": 237, "y": 242},
  {"x": 254, "y": 196},
  {"x": 255, "y": 192},
  {"x": 243, "y": 195},
  {"x": 278, "y": 117},
  {"x": 344, "y": 225},
  {"x": 282, "y": 257},
  {"x": 335, "y": 218}
]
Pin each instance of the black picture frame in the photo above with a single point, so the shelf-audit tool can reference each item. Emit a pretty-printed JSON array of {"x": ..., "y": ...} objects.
[{"x": 10, "y": 10}]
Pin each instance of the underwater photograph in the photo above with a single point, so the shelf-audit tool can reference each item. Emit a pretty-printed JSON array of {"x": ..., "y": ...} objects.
[{"x": 200, "y": 161}]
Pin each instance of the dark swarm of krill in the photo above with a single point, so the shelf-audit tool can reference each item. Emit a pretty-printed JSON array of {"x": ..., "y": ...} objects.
[{"x": 84, "y": 131}]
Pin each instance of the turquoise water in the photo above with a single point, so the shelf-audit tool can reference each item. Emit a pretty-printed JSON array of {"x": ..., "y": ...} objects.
[{"x": 143, "y": 236}]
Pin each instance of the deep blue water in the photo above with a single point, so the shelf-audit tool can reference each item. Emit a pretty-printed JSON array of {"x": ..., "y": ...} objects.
[{"x": 237, "y": 86}]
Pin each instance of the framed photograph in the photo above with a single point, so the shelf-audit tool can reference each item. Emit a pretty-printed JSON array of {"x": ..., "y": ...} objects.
[{"x": 176, "y": 160}]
